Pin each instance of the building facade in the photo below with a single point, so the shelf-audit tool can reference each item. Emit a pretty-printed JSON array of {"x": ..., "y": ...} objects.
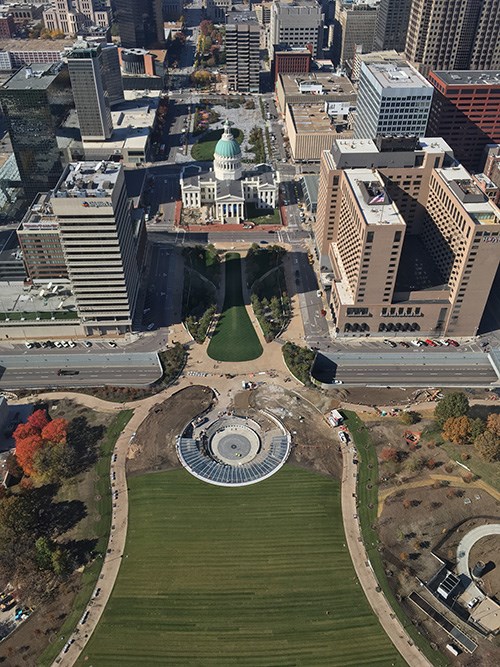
[
  {"x": 291, "y": 61},
  {"x": 243, "y": 52},
  {"x": 412, "y": 241},
  {"x": 307, "y": 88},
  {"x": 72, "y": 16},
  {"x": 312, "y": 128},
  {"x": 35, "y": 101},
  {"x": 140, "y": 23},
  {"x": 297, "y": 23},
  {"x": 465, "y": 112},
  {"x": 394, "y": 99},
  {"x": 43, "y": 254},
  {"x": 354, "y": 29},
  {"x": 391, "y": 27},
  {"x": 457, "y": 34}
]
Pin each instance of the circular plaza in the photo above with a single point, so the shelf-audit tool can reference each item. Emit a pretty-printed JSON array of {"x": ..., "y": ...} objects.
[{"x": 233, "y": 450}]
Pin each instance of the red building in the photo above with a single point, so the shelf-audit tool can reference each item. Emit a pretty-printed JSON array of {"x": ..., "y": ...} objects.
[
  {"x": 466, "y": 112},
  {"x": 291, "y": 61},
  {"x": 7, "y": 26}
]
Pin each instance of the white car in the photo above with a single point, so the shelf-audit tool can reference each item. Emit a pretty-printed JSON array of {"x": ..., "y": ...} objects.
[
  {"x": 64, "y": 343},
  {"x": 28, "y": 345},
  {"x": 337, "y": 382},
  {"x": 87, "y": 343},
  {"x": 58, "y": 343},
  {"x": 319, "y": 292},
  {"x": 443, "y": 342},
  {"x": 417, "y": 343},
  {"x": 71, "y": 343}
]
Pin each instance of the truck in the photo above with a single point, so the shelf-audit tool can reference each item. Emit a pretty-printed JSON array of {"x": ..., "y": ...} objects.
[
  {"x": 67, "y": 371},
  {"x": 335, "y": 418}
]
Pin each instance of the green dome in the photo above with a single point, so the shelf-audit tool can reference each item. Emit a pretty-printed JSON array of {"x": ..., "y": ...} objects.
[{"x": 227, "y": 146}]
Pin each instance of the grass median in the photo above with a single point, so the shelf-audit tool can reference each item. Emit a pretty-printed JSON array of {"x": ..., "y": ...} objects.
[{"x": 234, "y": 338}]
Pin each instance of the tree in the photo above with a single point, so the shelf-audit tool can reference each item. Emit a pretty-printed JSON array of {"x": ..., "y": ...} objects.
[
  {"x": 456, "y": 429},
  {"x": 452, "y": 405},
  {"x": 26, "y": 450},
  {"x": 56, "y": 431},
  {"x": 487, "y": 445},
  {"x": 409, "y": 417},
  {"x": 40, "y": 446},
  {"x": 38, "y": 420},
  {"x": 389, "y": 454},
  {"x": 477, "y": 426},
  {"x": 493, "y": 423}
]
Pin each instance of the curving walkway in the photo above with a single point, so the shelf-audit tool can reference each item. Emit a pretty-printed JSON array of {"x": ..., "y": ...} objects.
[
  {"x": 468, "y": 541},
  {"x": 378, "y": 602}
]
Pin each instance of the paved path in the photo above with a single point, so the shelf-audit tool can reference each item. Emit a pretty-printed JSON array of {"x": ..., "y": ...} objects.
[
  {"x": 378, "y": 602},
  {"x": 468, "y": 541}
]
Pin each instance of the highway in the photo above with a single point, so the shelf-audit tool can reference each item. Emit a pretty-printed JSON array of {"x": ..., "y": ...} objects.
[
  {"x": 408, "y": 369},
  {"x": 39, "y": 371}
]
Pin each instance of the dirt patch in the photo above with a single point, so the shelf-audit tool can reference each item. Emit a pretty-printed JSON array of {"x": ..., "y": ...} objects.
[
  {"x": 153, "y": 447},
  {"x": 27, "y": 643},
  {"x": 314, "y": 444}
]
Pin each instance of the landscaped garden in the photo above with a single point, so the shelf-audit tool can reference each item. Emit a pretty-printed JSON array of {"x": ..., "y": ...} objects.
[
  {"x": 201, "y": 279},
  {"x": 203, "y": 150},
  {"x": 266, "y": 280},
  {"x": 234, "y": 338},
  {"x": 218, "y": 577}
]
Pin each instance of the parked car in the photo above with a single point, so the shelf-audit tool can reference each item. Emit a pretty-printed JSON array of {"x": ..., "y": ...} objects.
[
  {"x": 87, "y": 343},
  {"x": 112, "y": 343},
  {"x": 452, "y": 342},
  {"x": 417, "y": 343},
  {"x": 391, "y": 343},
  {"x": 403, "y": 343},
  {"x": 430, "y": 342}
]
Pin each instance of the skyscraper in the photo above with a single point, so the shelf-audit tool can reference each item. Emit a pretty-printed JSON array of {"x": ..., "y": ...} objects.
[
  {"x": 393, "y": 100},
  {"x": 242, "y": 51},
  {"x": 465, "y": 112},
  {"x": 391, "y": 26},
  {"x": 457, "y": 34},
  {"x": 90, "y": 212},
  {"x": 35, "y": 101},
  {"x": 93, "y": 69},
  {"x": 140, "y": 23},
  {"x": 354, "y": 29},
  {"x": 297, "y": 23}
]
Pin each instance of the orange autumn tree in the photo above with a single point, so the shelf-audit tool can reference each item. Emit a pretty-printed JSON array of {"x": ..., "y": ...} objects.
[{"x": 38, "y": 435}]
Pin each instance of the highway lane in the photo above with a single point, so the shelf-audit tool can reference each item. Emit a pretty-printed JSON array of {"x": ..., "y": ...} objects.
[{"x": 39, "y": 371}]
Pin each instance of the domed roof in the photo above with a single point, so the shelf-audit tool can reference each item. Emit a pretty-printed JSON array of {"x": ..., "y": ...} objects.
[{"x": 227, "y": 146}]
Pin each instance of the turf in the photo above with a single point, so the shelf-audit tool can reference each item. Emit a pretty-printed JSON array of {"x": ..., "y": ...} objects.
[
  {"x": 204, "y": 149},
  {"x": 254, "y": 576},
  {"x": 234, "y": 338}
]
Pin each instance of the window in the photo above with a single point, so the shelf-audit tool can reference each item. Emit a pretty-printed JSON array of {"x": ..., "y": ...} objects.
[{"x": 369, "y": 237}]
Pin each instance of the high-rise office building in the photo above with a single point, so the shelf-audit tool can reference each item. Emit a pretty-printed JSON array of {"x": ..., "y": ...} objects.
[
  {"x": 35, "y": 101},
  {"x": 391, "y": 26},
  {"x": 100, "y": 238},
  {"x": 242, "y": 51},
  {"x": 96, "y": 82},
  {"x": 140, "y": 23},
  {"x": 354, "y": 29},
  {"x": 457, "y": 34},
  {"x": 297, "y": 23},
  {"x": 412, "y": 240},
  {"x": 393, "y": 100},
  {"x": 465, "y": 112}
]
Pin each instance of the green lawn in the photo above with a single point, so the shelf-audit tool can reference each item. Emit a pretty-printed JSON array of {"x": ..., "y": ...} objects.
[
  {"x": 203, "y": 150},
  {"x": 254, "y": 576},
  {"x": 367, "y": 491},
  {"x": 234, "y": 338},
  {"x": 488, "y": 472},
  {"x": 261, "y": 216}
]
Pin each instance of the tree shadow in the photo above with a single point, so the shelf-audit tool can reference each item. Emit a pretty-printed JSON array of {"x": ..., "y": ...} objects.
[
  {"x": 66, "y": 514},
  {"x": 81, "y": 551},
  {"x": 83, "y": 440}
]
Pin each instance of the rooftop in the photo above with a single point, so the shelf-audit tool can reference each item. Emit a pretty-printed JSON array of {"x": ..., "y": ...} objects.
[
  {"x": 368, "y": 146},
  {"x": 88, "y": 179},
  {"x": 331, "y": 83},
  {"x": 396, "y": 74},
  {"x": 468, "y": 77},
  {"x": 36, "y": 44},
  {"x": 33, "y": 77},
  {"x": 240, "y": 17},
  {"x": 470, "y": 195},
  {"x": 22, "y": 302},
  {"x": 375, "y": 203},
  {"x": 312, "y": 118}
]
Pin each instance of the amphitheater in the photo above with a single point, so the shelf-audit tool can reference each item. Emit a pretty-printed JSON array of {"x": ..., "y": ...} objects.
[{"x": 232, "y": 450}]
